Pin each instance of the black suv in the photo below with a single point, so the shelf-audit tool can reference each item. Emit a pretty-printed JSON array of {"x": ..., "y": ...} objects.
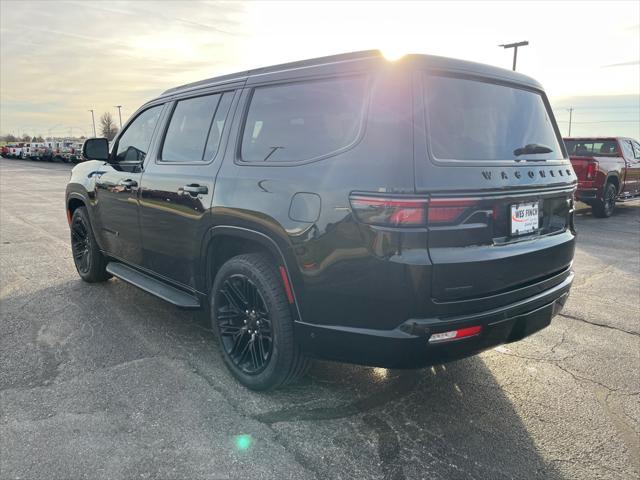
[{"x": 395, "y": 214}]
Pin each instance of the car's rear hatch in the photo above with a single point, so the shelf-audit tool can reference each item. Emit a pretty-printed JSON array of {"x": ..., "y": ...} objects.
[{"x": 500, "y": 192}]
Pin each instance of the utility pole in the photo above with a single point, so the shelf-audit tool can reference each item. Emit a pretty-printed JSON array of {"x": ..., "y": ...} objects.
[
  {"x": 570, "y": 116},
  {"x": 119, "y": 115},
  {"x": 94, "y": 123},
  {"x": 515, "y": 50}
]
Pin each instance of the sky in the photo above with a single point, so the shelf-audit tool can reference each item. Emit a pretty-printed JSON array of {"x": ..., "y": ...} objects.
[{"x": 59, "y": 59}]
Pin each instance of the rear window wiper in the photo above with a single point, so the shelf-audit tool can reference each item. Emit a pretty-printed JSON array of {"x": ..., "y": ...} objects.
[{"x": 532, "y": 148}]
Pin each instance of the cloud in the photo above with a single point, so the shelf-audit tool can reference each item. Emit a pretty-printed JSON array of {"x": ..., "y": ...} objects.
[{"x": 61, "y": 58}]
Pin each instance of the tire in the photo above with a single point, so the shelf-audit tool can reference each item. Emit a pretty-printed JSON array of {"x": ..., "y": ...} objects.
[
  {"x": 89, "y": 261},
  {"x": 251, "y": 317},
  {"x": 604, "y": 207}
]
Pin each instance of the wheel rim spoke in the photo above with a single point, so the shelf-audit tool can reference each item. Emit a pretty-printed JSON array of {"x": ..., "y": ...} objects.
[
  {"x": 254, "y": 354},
  {"x": 244, "y": 324}
]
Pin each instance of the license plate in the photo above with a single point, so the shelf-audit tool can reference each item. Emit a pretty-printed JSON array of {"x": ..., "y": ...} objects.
[{"x": 524, "y": 218}]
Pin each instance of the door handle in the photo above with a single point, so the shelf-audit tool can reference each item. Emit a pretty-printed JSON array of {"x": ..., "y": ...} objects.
[
  {"x": 128, "y": 183},
  {"x": 195, "y": 189}
]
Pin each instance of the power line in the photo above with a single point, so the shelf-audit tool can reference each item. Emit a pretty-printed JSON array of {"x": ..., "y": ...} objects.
[
  {"x": 601, "y": 121},
  {"x": 601, "y": 107}
]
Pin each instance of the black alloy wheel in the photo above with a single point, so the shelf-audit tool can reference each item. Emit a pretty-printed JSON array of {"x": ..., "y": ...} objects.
[
  {"x": 244, "y": 324},
  {"x": 89, "y": 261},
  {"x": 610, "y": 200},
  {"x": 604, "y": 208},
  {"x": 252, "y": 318},
  {"x": 81, "y": 244}
]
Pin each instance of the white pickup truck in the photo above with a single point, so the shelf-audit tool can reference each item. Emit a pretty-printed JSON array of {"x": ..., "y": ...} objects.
[
  {"x": 15, "y": 150},
  {"x": 30, "y": 150}
]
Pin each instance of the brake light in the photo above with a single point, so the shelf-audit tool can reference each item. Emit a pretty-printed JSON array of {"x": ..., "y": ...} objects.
[
  {"x": 455, "y": 334},
  {"x": 389, "y": 211},
  {"x": 592, "y": 168},
  {"x": 448, "y": 210}
]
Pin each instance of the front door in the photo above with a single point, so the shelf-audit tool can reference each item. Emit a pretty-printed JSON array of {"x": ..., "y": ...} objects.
[
  {"x": 177, "y": 187},
  {"x": 117, "y": 187}
]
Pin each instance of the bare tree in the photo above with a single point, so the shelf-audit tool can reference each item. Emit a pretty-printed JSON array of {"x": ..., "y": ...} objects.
[{"x": 108, "y": 127}]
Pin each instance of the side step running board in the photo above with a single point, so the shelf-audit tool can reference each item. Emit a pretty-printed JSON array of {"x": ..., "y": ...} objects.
[
  {"x": 149, "y": 284},
  {"x": 628, "y": 198}
]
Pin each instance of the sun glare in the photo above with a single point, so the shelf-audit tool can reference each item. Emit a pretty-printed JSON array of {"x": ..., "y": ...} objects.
[{"x": 393, "y": 53}]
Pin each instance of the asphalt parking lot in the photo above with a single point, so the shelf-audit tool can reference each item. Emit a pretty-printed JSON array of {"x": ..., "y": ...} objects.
[{"x": 107, "y": 382}]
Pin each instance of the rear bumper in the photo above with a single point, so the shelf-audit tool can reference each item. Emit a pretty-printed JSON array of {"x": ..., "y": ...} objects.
[
  {"x": 407, "y": 346},
  {"x": 587, "y": 194}
]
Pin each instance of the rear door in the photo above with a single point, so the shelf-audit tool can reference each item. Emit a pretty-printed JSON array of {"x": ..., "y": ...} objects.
[
  {"x": 499, "y": 184},
  {"x": 177, "y": 186}
]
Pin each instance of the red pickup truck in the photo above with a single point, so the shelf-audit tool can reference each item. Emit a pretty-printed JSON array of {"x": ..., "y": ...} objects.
[{"x": 608, "y": 170}]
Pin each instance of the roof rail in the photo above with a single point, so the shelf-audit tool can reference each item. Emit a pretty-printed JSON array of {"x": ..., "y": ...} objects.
[{"x": 341, "y": 57}]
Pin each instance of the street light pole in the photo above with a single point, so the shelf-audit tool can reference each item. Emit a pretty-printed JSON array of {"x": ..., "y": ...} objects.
[
  {"x": 94, "y": 123},
  {"x": 570, "y": 116},
  {"x": 119, "y": 114},
  {"x": 515, "y": 50}
]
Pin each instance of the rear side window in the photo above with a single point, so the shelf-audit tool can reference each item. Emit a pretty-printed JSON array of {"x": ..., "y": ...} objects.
[
  {"x": 472, "y": 120},
  {"x": 591, "y": 147},
  {"x": 303, "y": 121},
  {"x": 195, "y": 128},
  {"x": 134, "y": 142}
]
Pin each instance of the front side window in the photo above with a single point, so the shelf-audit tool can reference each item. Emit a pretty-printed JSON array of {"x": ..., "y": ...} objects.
[
  {"x": 195, "y": 128},
  {"x": 473, "y": 120},
  {"x": 636, "y": 150},
  {"x": 303, "y": 121},
  {"x": 134, "y": 143}
]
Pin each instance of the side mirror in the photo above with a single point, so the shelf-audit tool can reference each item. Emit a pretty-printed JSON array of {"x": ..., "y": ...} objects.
[{"x": 96, "y": 149}]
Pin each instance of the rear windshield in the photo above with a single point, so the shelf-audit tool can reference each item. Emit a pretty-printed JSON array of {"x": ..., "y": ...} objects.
[
  {"x": 591, "y": 147},
  {"x": 472, "y": 120}
]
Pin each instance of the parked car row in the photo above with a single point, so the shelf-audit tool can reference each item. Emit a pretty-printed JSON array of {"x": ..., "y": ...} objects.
[{"x": 64, "y": 151}]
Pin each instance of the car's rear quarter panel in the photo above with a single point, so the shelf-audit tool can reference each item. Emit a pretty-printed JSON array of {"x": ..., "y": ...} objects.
[{"x": 341, "y": 271}]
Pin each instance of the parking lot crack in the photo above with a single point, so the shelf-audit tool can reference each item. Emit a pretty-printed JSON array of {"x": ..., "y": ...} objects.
[{"x": 598, "y": 324}]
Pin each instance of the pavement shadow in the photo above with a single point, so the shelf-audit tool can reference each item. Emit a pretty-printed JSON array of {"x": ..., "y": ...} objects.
[{"x": 449, "y": 421}]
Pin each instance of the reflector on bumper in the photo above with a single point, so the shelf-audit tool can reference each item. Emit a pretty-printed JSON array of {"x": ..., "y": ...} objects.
[{"x": 455, "y": 334}]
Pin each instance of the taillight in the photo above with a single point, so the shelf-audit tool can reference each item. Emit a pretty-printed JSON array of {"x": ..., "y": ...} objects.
[
  {"x": 448, "y": 210},
  {"x": 389, "y": 211},
  {"x": 592, "y": 168}
]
